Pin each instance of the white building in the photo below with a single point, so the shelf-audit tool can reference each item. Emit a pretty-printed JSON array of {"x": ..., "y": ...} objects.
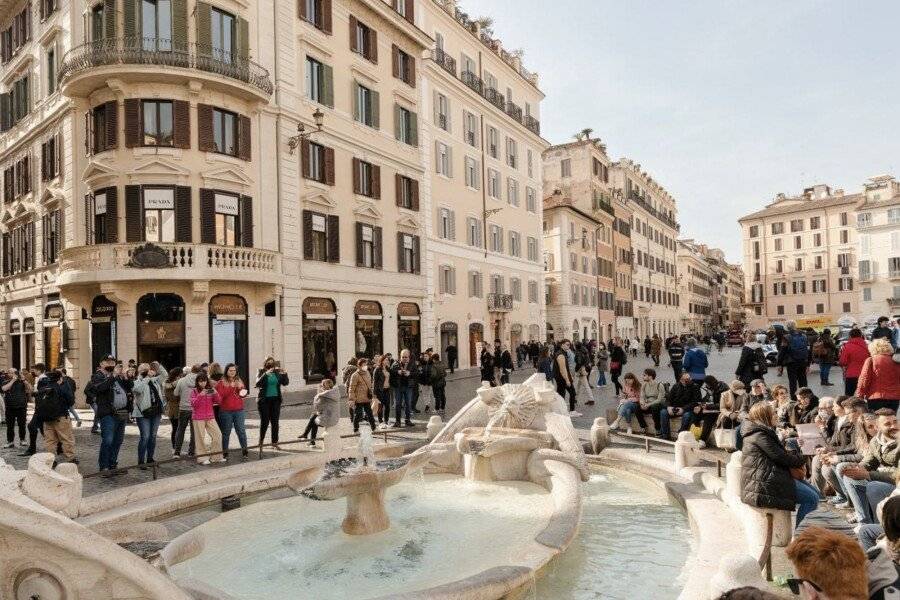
[{"x": 878, "y": 226}]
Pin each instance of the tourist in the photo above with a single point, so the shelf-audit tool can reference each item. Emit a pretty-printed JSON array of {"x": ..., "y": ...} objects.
[
  {"x": 824, "y": 351},
  {"x": 617, "y": 360},
  {"x": 269, "y": 383},
  {"x": 682, "y": 401},
  {"x": 325, "y": 391},
  {"x": 215, "y": 373},
  {"x": 37, "y": 375},
  {"x": 648, "y": 344},
  {"x": 426, "y": 392},
  {"x": 147, "y": 400},
  {"x": 403, "y": 375},
  {"x": 883, "y": 555},
  {"x": 883, "y": 330},
  {"x": 545, "y": 364},
  {"x": 695, "y": 361},
  {"x": 183, "y": 389},
  {"x": 676, "y": 356},
  {"x": 172, "y": 401},
  {"x": 110, "y": 389},
  {"x": 828, "y": 566},
  {"x": 565, "y": 381},
  {"x": 486, "y": 361},
  {"x": 15, "y": 399},
  {"x": 836, "y": 461},
  {"x": 752, "y": 364},
  {"x": 781, "y": 403},
  {"x": 582, "y": 370},
  {"x": 602, "y": 363},
  {"x": 805, "y": 409},
  {"x": 653, "y": 397},
  {"x": 758, "y": 393},
  {"x": 629, "y": 405},
  {"x": 793, "y": 355},
  {"x": 439, "y": 384},
  {"x": 853, "y": 356},
  {"x": 506, "y": 364},
  {"x": 203, "y": 421},
  {"x": 361, "y": 392},
  {"x": 451, "y": 352},
  {"x": 52, "y": 401},
  {"x": 381, "y": 381},
  {"x": 872, "y": 480},
  {"x": 634, "y": 347},
  {"x": 655, "y": 349},
  {"x": 770, "y": 475},
  {"x": 879, "y": 380},
  {"x": 232, "y": 391},
  {"x": 840, "y": 441},
  {"x": 734, "y": 405}
]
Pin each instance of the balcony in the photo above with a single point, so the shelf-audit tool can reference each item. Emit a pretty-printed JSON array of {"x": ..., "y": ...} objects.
[
  {"x": 473, "y": 81},
  {"x": 180, "y": 261},
  {"x": 865, "y": 276},
  {"x": 499, "y": 302},
  {"x": 514, "y": 110},
  {"x": 86, "y": 67},
  {"x": 496, "y": 98},
  {"x": 533, "y": 124},
  {"x": 894, "y": 302},
  {"x": 444, "y": 60}
]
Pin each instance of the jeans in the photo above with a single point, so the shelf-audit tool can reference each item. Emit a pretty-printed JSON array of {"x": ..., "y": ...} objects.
[
  {"x": 614, "y": 375},
  {"x": 384, "y": 404},
  {"x": 676, "y": 368},
  {"x": 229, "y": 419},
  {"x": 601, "y": 378},
  {"x": 15, "y": 416},
  {"x": 426, "y": 394},
  {"x": 824, "y": 370},
  {"x": 403, "y": 402},
  {"x": 363, "y": 410},
  {"x": 834, "y": 474},
  {"x": 664, "y": 429},
  {"x": 112, "y": 432},
  {"x": 653, "y": 411},
  {"x": 629, "y": 409},
  {"x": 796, "y": 374},
  {"x": 865, "y": 495},
  {"x": 562, "y": 389},
  {"x": 147, "y": 426},
  {"x": 269, "y": 412},
  {"x": 868, "y": 535},
  {"x": 807, "y": 499},
  {"x": 184, "y": 424}
]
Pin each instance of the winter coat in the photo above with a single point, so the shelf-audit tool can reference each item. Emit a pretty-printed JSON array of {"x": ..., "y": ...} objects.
[
  {"x": 183, "y": 389},
  {"x": 545, "y": 366},
  {"x": 842, "y": 439},
  {"x": 853, "y": 355},
  {"x": 602, "y": 360},
  {"x": 683, "y": 396},
  {"x": 695, "y": 363},
  {"x": 656, "y": 346},
  {"x": 751, "y": 365},
  {"x": 171, "y": 400},
  {"x": 102, "y": 388},
  {"x": 879, "y": 379},
  {"x": 400, "y": 380},
  {"x": 676, "y": 352},
  {"x": 617, "y": 354},
  {"x": 360, "y": 389},
  {"x": 230, "y": 399},
  {"x": 881, "y": 460},
  {"x": 16, "y": 397},
  {"x": 766, "y": 480},
  {"x": 261, "y": 382},
  {"x": 733, "y": 406},
  {"x": 798, "y": 415},
  {"x": 202, "y": 404},
  {"x": 438, "y": 375},
  {"x": 652, "y": 393},
  {"x": 141, "y": 392}
]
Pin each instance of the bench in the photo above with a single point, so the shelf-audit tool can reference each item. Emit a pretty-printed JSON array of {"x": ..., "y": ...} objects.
[{"x": 674, "y": 422}]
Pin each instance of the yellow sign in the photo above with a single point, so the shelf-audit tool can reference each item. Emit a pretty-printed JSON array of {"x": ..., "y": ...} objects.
[{"x": 815, "y": 322}]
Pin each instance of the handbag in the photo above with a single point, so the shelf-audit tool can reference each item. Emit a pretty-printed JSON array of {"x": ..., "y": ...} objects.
[
  {"x": 615, "y": 365},
  {"x": 725, "y": 438},
  {"x": 697, "y": 431}
]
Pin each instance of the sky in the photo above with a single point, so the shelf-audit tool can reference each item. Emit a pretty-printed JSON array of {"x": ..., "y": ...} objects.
[{"x": 724, "y": 103}]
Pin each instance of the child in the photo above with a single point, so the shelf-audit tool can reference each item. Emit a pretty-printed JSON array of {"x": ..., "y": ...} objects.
[
  {"x": 326, "y": 391},
  {"x": 203, "y": 396}
]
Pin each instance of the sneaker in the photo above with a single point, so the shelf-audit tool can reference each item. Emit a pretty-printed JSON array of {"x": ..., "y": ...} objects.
[
  {"x": 702, "y": 444},
  {"x": 409, "y": 424},
  {"x": 843, "y": 505},
  {"x": 397, "y": 425},
  {"x": 835, "y": 500},
  {"x": 219, "y": 460},
  {"x": 205, "y": 462},
  {"x": 10, "y": 445},
  {"x": 852, "y": 519},
  {"x": 575, "y": 413},
  {"x": 176, "y": 454},
  {"x": 312, "y": 443},
  {"x": 383, "y": 426}
]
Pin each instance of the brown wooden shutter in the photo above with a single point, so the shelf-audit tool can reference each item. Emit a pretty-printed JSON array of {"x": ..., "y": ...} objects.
[
  {"x": 112, "y": 125},
  {"x": 353, "y": 24},
  {"x": 359, "y": 244},
  {"x": 377, "y": 243},
  {"x": 410, "y": 11},
  {"x": 109, "y": 11},
  {"x": 88, "y": 133},
  {"x": 129, "y": 19},
  {"x": 373, "y": 46},
  {"x": 112, "y": 215},
  {"x": 244, "y": 137},
  {"x": 333, "y": 233},
  {"x": 401, "y": 267},
  {"x": 329, "y": 166},
  {"x": 326, "y": 16},
  {"x": 417, "y": 260},
  {"x": 301, "y": 7},
  {"x": 57, "y": 154},
  {"x": 183, "y": 222},
  {"x": 207, "y": 216},
  {"x": 246, "y": 221},
  {"x": 398, "y": 189},
  {"x": 356, "y": 181},
  {"x": 376, "y": 182},
  {"x": 133, "y": 127},
  {"x": 134, "y": 218},
  {"x": 395, "y": 60},
  {"x": 411, "y": 79},
  {"x": 414, "y": 192},
  {"x": 44, "y": 145},
  {"x": 307, "y": 235},
  {"x": 205, "y": 141},
  {"x": 304, "y": 156},
  {"x": 182, "y": 121}
]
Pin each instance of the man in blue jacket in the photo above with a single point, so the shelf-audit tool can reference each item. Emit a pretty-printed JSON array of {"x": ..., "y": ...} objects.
[{"x": 695, "y": 362}]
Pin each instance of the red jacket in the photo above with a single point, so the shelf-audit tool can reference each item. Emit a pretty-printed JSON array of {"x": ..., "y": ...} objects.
[
  {"x": 230, "y": 398},
  {"x": 853, "y": 354},
  {"x": 880, "y": 379}
]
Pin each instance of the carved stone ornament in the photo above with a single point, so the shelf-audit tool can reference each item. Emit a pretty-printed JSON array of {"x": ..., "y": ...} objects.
[{"x": 149, "y": 256}]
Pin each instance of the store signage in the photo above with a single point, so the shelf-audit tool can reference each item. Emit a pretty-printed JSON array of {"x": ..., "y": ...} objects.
[
  {"x": 227, "y": 205},
  {"x": 322, "y": 308},
  {"x": 367, "y": 307},
  {"x": 159, "y": 199},
  {"x": 448, "y": 327},
  {"x": 100, "y": 204},
  {"x": 54, "y": 312},
  {"x": 161, "y": 333},
  {"x": 408, "y": 310},
  {"x": 227, "y": 304},
  {"x": 102, "y": 307}
]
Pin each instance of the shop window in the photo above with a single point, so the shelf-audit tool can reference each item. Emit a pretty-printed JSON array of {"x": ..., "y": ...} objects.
[
  {"x": 159, "y": 215},
  {"x": 368, "y": 329},
  {"x": 319, "y": 339}
]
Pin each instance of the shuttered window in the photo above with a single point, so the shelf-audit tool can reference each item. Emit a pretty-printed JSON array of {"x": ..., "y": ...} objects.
[
  {"x": 406, "y": 9},
  {"x": 363, "y": 40},
  {"x": 368, "y": 246},
  {"x": 319, "y": 82},
  {"x": 317, "y": 162},
  {"x": 407, "y": 192},
  {"x": 101, "y": 216},
  {"x": 403, "y": 66},
  {"x": 317, "y": 13},
  {"x": 226, "y": 219},
  {"x": 51, "y": 236},
  {"x": 406, "y": 128},
  {"x": 16, "y": 103},
  {"x": 446, "y": 224},
  {"x": 408, "y": 253},
  {"x": 366, "y": 179},
  {"x": 101, "y": 128},
  {"x": 51, "y": 158},
  {"x": 321, "y": 237},
  {"x": 157, "y": 123},
  {"x": 159, "y": 214},
  {"x": 18, "y": 249},
  {"x": 366, "y": 109}
]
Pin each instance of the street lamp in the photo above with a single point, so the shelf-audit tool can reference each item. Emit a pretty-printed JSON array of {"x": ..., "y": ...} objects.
[{"x": 302, "y": 134}]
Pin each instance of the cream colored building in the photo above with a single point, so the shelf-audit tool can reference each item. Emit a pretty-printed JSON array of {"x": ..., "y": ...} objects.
[
  {"x": 697, "y": 289},
  {"x": 480, "y": 198},
  {"x": 654, "y": 230},
  {"x": 800, "y": 258},
  {"x": 878, "y": 238},
  {"x": 579, "y": 173}
]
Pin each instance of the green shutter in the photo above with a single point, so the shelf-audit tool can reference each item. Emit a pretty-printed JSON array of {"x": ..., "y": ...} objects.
[
  {"x": 398, "y": 125},
  {"x": 413, "y": 128},
  {"x": 243, "y": 38},
  {"x": 129, "y": 21},
  {"x": 204, "y": 28},
  {"x": 376, "y": 110},
  {"x": 109, "y": 15},
  {"x": 327, "y": 86},
  {"x": 179, "y": 25}
]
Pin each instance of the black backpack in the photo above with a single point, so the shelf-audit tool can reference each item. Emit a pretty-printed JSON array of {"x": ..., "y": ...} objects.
[{"x": 49, "y": 404}]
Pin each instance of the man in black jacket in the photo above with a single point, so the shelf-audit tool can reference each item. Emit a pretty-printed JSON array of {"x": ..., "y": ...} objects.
[
  {"x": 109, "y": 388},
  {"x": 51, "y": 406},
  {"x": 676, "y": 356},
  {"x": 15, "y": 397},
  {"x": 405, "y": 374},
  {"x": 752, "y": 364},
  {"x": 683, "y": 401}
]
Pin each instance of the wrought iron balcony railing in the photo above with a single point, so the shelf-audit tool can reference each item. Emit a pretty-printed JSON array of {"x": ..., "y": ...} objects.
[
  {"x": 163, "y": 53},
  {"x": 499, "y": 302},
  {"x": 473, "y": 81},
  {"x": 447, "y": 62},
  {"x": 533, "y": 124},
  {"x": 514, "y": 110}
]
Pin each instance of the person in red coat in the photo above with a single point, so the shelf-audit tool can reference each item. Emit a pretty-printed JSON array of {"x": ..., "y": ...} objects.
[
  {"x": 853, "y": 355},
  {"x": 879, "y": 381}
]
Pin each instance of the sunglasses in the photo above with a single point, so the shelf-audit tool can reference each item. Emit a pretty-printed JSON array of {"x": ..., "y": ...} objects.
[{"x": 796, "y": 584}]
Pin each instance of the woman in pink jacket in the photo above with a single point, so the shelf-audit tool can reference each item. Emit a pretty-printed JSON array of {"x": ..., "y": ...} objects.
[
  {"x": 203, "y": 419},
  {"x": 879, "y": 382},
  {"x": 853, "y": 355}
]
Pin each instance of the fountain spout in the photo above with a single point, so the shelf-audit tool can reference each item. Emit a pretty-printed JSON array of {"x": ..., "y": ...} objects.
[{"x": 366, "y": 447}]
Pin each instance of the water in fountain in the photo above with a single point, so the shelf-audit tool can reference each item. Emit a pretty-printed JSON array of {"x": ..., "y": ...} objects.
[{"x": 366, "y": 447}]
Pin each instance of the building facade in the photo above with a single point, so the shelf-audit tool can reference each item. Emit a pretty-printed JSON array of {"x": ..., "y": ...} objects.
[
  {"x": 654, "y": 230},
  {"x": 579, "y": 173},
  {"x": 697, "y": 289},
  {"x": 878, "y": 225},
  {"x": 480, "y": 199},
  {"x": 800, "y": 258}
]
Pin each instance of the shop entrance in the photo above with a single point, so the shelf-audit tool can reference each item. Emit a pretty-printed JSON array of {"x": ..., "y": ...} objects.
[
  {"x": 53, "y": 335},
  {"x": 449, "y": 336},
  {"x": 103, "y": 329},
  {"x": 319, "y": 339},
  {"x": 160, "y": 330},
  {"x": 368, "y": 329},
  {"x": 228, "y": 332},
  {"x": 476, "y": 341},
  {"x": 408, "y": 332}
]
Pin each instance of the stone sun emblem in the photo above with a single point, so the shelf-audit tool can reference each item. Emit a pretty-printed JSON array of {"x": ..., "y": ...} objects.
[{"x": 511, "y": 406}]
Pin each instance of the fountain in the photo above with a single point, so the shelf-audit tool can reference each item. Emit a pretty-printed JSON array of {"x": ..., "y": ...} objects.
[{"x": 362, "y": 482}]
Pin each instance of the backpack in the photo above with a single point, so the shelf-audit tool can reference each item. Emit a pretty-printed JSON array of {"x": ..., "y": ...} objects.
[
  {"x": 798, "y": 347},
  {"x": 760, "y": 366},
  {"x": 90, "y": 392},
  {"x": 49, "y": 405},
  {"x": 819, "y": 350}
]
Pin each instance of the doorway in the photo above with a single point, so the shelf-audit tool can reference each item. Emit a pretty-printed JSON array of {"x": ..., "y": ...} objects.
[
  {"x": 103, "y": 329},
  {"x": 161, "y": 330},
  {"x": 228, "y": 332},
  {"x": 476, "y": 341}
]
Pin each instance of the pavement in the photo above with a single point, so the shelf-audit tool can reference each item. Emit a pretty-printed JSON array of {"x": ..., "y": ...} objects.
[{"x": 297, "y": 406}]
